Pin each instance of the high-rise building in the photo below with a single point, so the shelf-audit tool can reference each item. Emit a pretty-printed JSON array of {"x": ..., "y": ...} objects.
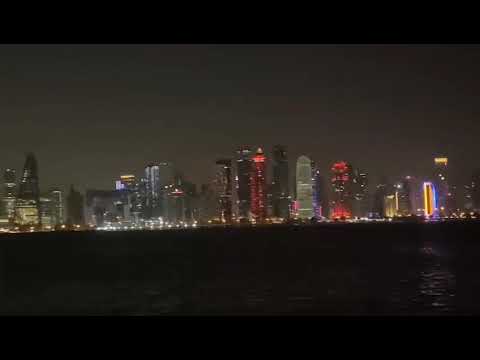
[
  {"x": 223, "y": 189},
  {"x": 280, "y": 188},
  {"x": 342, "y": 190},
  {"x": 58, "y": 210},
  {"x": 378, "y": 210},
  {"x": 390, "y": 206},
  {"x": 441, "y": 184},
  {"x": 46, "y": 212},
  {"x": 153, "y": 191},
  {"x": 130, "y": 184},
  {"x": 304, "y": 181},
  {"x": 75, "y": 208},
  {"x": 430, "y": 199},
  {"x": 318, "y": 193},
  {"x": 403, "y": 197},
  {"x": 258, "y": 187},
  {"x": 27, "y": 207},
  {"x": 176, "y": 206},
  {"x": 242, "y": 182},
  {"x": 360, "y": 205},
  {"x": 321, "y": 206},
  {"x": 9, "y": 194}
]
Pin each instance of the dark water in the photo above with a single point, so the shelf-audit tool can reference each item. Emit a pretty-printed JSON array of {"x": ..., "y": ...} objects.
[{"x": 375, "y": 269}]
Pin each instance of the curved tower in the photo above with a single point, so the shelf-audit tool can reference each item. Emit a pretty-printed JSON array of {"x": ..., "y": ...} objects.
[
  {"x": 304, "y": 183},
  {"x": 429, "y": 199}
]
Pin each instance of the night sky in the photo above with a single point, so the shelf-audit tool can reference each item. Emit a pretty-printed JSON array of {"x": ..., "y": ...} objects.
[{"x": 91, "y": 113}]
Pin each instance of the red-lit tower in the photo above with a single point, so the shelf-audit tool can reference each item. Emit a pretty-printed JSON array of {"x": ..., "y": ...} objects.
[
  {"x": 258, "y": 187},
  {"x": 341, "y": 183}
]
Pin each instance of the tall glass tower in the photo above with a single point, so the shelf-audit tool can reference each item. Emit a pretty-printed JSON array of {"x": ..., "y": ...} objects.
[
  {"x": 280, "y": 188},
  {"x": 304, "y": 182},
  {"x": 258, "y": 190},
  {"x": 242, "y": 181},
  {"x": 223, "y": 189}
]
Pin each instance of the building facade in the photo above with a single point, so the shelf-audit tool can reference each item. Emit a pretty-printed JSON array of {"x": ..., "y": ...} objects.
[
  {"x": 242, "y": 182},
  {"x": 223, "y": 189},
  {"x": 280, "y": 184},
  {"x": 304, "y": 184},
  {"x": 430, "y": 200},
  {"x": 27, "y": 207},
  {"x": 258, "y": 190},
  {"x": 341, "y": 206}
]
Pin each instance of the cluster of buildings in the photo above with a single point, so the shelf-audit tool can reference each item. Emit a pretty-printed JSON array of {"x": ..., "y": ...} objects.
[{"x": 248, "y": 188}]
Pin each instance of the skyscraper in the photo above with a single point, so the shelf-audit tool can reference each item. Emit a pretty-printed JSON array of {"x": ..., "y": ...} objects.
[
  {"x": 379, "y": 198},
  {"x": 46, "y": 212},
  {"x": 390, "y": 206},
  {"x": 280, "y": 188},
  {"x": 75, "y": 209},
  {"x": 430, "y": 199},
  {"x": 360, "y": 194},
  {"x": 58, "y": 211},
  {"x": 27, "y": 208},
  {"x": 304, "y": 182},
  {"x": 441, "y": 184},
  {"x": 153, "y": 191},
  {"x": 244, "y": 169},
  {"x": 318, "y": 193},
  {"x": 342, "y": 190},
  {"x": 258, "y": 187},
  {"x": 223, "y": 189},
  {"x": 402, "y": 193},
  {"x": 9, "y": 194}
]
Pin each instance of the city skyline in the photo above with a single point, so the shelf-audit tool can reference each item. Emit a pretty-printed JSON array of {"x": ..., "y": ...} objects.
[{"x": 110, "y": 110}]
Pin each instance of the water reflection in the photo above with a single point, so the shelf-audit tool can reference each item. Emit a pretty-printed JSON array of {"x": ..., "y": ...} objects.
[{"x": 437, "y": 286}]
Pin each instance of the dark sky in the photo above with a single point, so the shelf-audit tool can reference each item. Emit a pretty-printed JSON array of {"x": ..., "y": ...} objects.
[{"x": 90, "y": 113}]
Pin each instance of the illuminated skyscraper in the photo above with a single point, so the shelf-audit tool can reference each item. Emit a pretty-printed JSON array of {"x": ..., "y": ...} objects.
[
  {"x": 360, "y": 194},
  {"x": 429, "y": 199},
  {"x": 390, "y": 206},
  {"x": 9, "y": 194},
  {"x": 304, "y": 182},
  {"x": 244, "y": 169},
  {"x": 223, "y": 189},
  {"x": 318, "y": 193},
  {"x": 441, "y": 184},
  {"x": 258, "y": 187},
  {"x": 320, "y": 196},
  {"x": 280, "y": 188},
  {"x": 342, "y": 190},
  {"x": 403, "y": 199},
  {"x": 58, "y": 210},
  {"x": 46, "y": 212},
  {"x": 153, "y": 191},
  {"x": 378, "y": 210},
  {"x": 27, "y": 208}
]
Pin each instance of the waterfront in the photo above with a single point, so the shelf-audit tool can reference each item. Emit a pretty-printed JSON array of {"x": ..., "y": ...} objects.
[{"x": 329, "y": 269}]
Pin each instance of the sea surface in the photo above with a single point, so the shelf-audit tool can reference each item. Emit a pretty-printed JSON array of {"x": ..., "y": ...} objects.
[{"x": 331, "y": 269}]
